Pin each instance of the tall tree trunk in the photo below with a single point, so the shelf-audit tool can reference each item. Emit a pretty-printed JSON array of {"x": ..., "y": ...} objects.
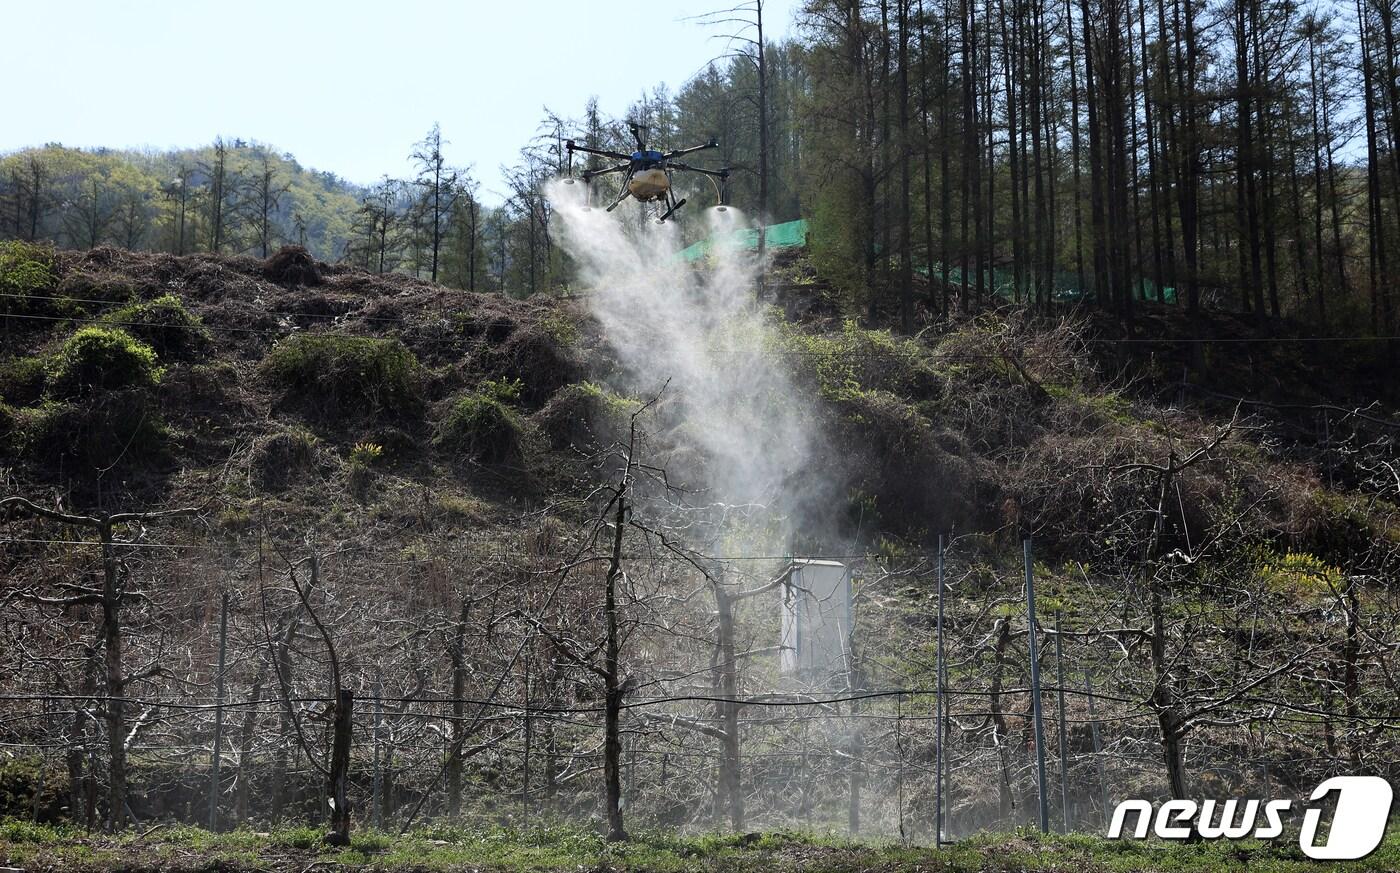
[
  {"x": 1075, "y": 161},
  {"x": 612, "y": 724},
  {"x": 1102, "y": 291},
  {"x": 906, "y": 263}
]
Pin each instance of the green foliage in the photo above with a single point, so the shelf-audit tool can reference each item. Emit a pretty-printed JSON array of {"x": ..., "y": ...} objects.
[
  {"x": 1298, "y": 574},
  {"x": 22, "y": 379},
  {"x": 366, "y": 454},
  {"x": 839, "y": 233},
  {"x": 613, "y": 405},
  {"x": 17, "y": 831},
  {"x": 26, "y": 269},
  {"x": 501, "y": 390},
  {"x": 91, "y": 433},
  {"x": 165, "y": 325},
  {"x": 1111, "y": 405},
  {"x": 125, "y": 187},
  {"x": 99, "y": 358},
  {"x": 858, "y": 361},
  {"x": 561, "y": 328},
  {"x": 573, "y": 848},
  {"x": 347, "y": 375},
  {"x": 32, "y": 788},
  {"x": 483, "y": 425}
]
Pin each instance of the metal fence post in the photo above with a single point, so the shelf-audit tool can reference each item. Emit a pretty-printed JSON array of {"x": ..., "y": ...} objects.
[
  {"x": 218, "y": 716},
  {"x": 1064, "y": 740},
  {"x": 1098, "y": 747},
  {"x": 1035, "y": 689},
  {"x": 377, "y": 783},
  {"x": 939, "y": 710}
]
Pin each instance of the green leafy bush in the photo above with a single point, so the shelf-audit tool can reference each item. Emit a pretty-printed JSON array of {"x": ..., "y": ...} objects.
[
  {"x": 117, "y": 428},
  {"x": 26, "y": 271},
  {"x": 30, "y": 787},
  {"x": 22, "y": 380},
  {"x": 504, "y": 390},
  {"x": 347, "y": 375},
  {"x": 483, "y": 425},
  {"x": 99, "y": 358},
  {"x": 585, "y": 413},
  {"x": 165, "y": 325}
]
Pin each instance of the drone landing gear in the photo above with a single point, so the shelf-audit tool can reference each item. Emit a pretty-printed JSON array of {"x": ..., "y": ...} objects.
[
  {"x": 667, "y": 214},
  {"x": 621, "y": 197}
]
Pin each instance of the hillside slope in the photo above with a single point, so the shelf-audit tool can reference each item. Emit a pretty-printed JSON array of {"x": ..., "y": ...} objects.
[{"x": 443, "y": 458}]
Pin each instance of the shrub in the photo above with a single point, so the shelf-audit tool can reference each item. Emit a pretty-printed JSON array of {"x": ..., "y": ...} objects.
[
  {"x": 26, "y": 270},
  {"x": 22, "y": 380},
  {"x": 536, "y": 358},
  {"x": 483, "y": 425},
  {"x": 165, "y": 325},
  {"x": 101, "y": 359},
  {"x": 347, "y": 375},
  {"x": 504, "y": 390},
  {"x": 30, "y": 786},
  {"x": 585, "y": 413},
  {"x": 281, "y": 458},
  {"x": 106, "y": 430},
  {"x": 366, "y": 454}
]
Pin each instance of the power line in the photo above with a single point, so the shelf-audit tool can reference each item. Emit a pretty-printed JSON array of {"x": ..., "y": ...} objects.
[{"x": 851, "y": 353}]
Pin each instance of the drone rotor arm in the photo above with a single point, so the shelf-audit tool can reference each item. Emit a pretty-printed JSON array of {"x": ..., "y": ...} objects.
[
  {"x": 604, "y": 153},
  {"x": 718, "y": 174},
  {"x": 593, "y": 174},
  {"x": 712, "y": 144}
]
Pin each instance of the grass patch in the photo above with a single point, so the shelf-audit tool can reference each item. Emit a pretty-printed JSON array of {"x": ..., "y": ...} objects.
[{"x": 572, "y": 848}]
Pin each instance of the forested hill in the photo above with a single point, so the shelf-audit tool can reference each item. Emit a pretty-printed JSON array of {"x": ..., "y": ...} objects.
[
  {"x": 1235, "y": 155},
  {"x": 230, "y": 196}
]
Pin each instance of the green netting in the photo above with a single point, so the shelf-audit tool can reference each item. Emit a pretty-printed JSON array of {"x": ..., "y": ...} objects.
[
  {"x": 1064, "y": 288},
  {"x": 789, "y": 234},
  {"x": 1002, "y": 281}
]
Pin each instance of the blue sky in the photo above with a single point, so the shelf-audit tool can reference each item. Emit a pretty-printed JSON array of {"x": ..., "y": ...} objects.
[{"x": 346, "y": 86}]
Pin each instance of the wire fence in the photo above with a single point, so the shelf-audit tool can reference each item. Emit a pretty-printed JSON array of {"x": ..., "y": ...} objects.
[{"x": 476, "y": 696}]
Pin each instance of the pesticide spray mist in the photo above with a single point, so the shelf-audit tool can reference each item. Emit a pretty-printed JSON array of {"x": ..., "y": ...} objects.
[
  {"x": 730, "y": 395},
  {"x": 699, "y": 329}
]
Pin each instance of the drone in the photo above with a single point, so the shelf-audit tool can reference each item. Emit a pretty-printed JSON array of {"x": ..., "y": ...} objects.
[{"x": 648, "y": 172}]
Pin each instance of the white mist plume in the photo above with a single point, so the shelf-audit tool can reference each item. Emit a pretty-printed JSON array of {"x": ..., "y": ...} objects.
[{"x": 701, "y": 330}]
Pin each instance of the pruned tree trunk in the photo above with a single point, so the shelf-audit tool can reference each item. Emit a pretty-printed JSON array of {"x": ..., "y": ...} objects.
[
  {"x": 338, "y": 783},
  {"x": 612, "y": 725}
]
